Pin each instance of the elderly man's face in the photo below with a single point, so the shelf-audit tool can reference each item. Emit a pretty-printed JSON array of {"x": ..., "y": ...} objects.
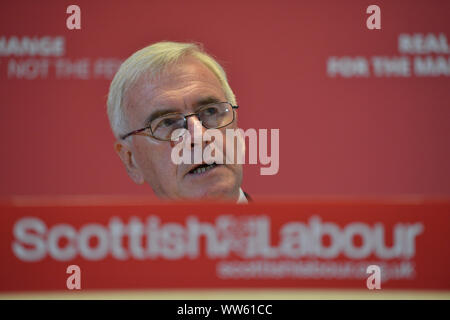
[{"x": 180, "y": 89}]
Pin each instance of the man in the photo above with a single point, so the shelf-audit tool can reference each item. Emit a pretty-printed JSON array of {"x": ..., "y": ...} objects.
[{"x": 168, "y": 86}]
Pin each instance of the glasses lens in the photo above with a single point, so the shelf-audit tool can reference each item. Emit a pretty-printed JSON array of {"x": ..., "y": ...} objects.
[
  {"x": 163, "y": 127},
  {"x": 216, "y": 115}
]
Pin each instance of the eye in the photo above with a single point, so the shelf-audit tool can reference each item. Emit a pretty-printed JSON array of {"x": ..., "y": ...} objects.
[
  {"x": 210, "y": 111},
  {"x": 165, "y": 123}
]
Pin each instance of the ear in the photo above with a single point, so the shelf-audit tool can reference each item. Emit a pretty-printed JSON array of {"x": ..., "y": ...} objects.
[{"x": 126, "y": 155}]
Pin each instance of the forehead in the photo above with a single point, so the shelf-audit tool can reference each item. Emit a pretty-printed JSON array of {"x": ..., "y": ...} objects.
[{"x": 178, "y": 87}]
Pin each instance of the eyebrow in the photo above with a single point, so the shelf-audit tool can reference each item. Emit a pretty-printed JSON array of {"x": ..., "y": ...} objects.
[{"x": 161, "y": 112}]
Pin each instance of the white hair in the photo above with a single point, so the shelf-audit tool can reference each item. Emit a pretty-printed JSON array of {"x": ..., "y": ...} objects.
[{"x": 151, "y": 60}]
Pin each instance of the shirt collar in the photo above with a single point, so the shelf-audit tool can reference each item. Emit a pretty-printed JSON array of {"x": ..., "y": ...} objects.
[{"x": 242, "y": 197}]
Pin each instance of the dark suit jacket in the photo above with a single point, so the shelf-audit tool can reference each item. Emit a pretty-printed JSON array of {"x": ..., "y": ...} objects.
[{"x": 248, "y": 197}]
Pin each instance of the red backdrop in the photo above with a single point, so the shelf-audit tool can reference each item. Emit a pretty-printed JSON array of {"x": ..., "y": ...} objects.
[{"x": 358, "y": 135}]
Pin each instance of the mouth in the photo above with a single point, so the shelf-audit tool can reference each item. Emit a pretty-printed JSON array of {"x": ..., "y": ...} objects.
[{"x": 202, "y": 168}]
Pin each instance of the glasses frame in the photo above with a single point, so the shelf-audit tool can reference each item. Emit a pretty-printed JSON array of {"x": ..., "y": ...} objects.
[{"x": 185, "y": 116}]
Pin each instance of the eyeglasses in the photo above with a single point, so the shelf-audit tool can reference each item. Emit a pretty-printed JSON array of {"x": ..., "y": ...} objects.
[{"x": 213, "y": 116}]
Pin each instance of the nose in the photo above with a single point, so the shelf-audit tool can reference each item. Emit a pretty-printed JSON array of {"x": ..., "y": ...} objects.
[{"x": 195, "y": 127}]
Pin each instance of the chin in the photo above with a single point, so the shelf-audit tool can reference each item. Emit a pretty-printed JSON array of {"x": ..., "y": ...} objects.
[{"x": 222, "y": 192}]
